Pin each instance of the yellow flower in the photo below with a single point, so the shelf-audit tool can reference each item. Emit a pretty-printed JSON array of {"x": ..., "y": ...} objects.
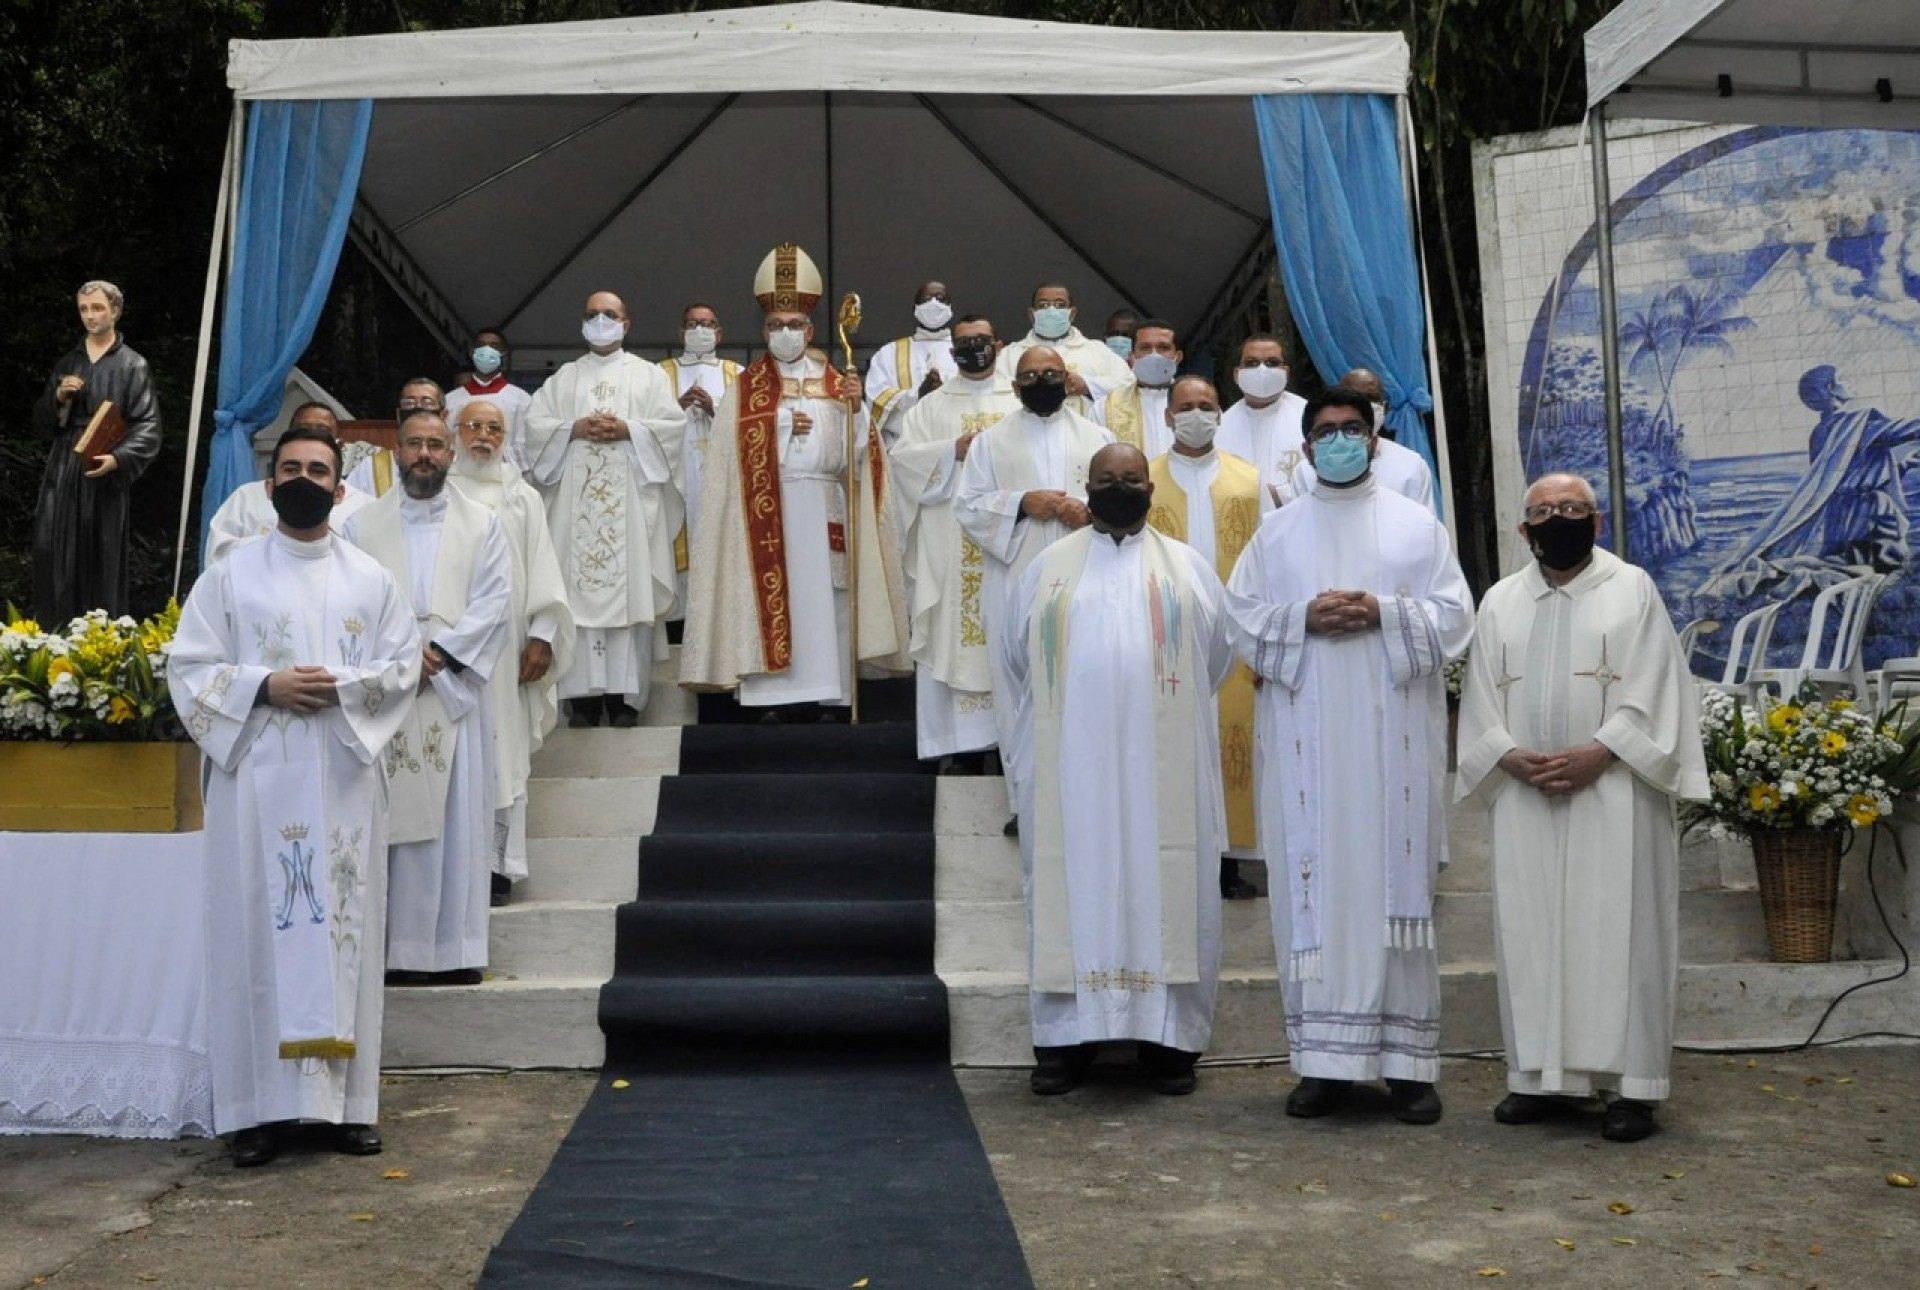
[
  {"x": 1784, "y": 719},
  {"x": 1764, "y": 798},
  {"x": 1833, "y": 743},
  {"x": 58, "y": 668},
  {"x": 1841, "y": 705},
  {"x": 1862, "y": 810},
  {"x": 25, "y": 626},
  {"x": 119, "y": 712}
]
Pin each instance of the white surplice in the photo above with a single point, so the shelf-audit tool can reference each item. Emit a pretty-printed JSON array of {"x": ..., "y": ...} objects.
[
  {"x": 269, "y": 605},
  {"x": 892, "y": 393},
  {"x": 523, "y": 715},
  {"x": 1272, "y": 438},
  {"x": 440, "y": 765},
  {"x": 1352, "y": 755},
  {"x": 512, "y": 402},
  {"x": 1014, "y": 456},
  {"x": 1586, "y": 886},
  {"x": 952, "y": 664},
  {"x": 1107, "y": 774},
  {"x": 1091, "y": 360},
  {"x": 248, "y": 512},
  {"x": 614, "y": 510}
]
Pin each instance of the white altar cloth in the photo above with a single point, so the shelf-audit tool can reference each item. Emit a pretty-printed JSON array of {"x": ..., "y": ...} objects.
[{"x": 103, "y": 1025}]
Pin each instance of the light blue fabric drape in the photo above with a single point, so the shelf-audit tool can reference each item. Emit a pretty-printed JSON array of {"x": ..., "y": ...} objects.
[
  {"x": 1346, "y": 246},
  {"x": 301, "y": 172}
]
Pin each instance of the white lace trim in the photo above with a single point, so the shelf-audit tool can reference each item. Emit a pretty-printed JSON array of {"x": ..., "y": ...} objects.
[{"x": 113, "y": 1088}]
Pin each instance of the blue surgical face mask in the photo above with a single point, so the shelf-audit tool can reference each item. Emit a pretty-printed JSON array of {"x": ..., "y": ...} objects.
[
  {"x": 1121, "y": 345},
  {"x": 1340, "y": 460},
  {"x": 486, "y": 360},
  {"x": 1052, "y": 321}
]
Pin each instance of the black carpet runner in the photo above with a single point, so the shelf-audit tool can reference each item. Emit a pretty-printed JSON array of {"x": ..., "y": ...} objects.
[{"x": 790, "y": 1116}]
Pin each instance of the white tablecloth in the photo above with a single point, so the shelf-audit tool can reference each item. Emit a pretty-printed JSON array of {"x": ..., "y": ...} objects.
[{"x": 103, "y": 1024}]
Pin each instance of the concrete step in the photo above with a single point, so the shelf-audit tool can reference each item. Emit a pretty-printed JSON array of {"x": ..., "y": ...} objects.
[
  {"x": 991, "y": 935},
  {"x": 602, "y": 753},
  {"x": 1718, "y": 1005},
  {"x": 602, "y": 869},
  {"x": 552, "y": 939},
  {"x": 516, "y": 1025},
  {"x": 592, "y": 808}
]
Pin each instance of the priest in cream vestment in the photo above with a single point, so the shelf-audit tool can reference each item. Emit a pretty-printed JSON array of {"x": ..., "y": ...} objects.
[
  {"x": 1579, "y": 725},
  {"x": 1023, "y": 488},
  {"x": 295, "y": 662},
  {"x": 953, "y": 677},
  {"x": 1136, "y": 413},
  {"x": 699, "y": 378},
  {"x": 767, "y": 613},
  {"x": 603, "y": 436},
  {"x": 1093, "y": 370},
  {"x": 540, "y": 634},
  {"x": 1114, "y": 642},
  {"x": 1211, "y": 501},
  {"x": 1348, "y": 603},
  {"x": 248, "y": 511},
  {"x": 451, "y": 556}
]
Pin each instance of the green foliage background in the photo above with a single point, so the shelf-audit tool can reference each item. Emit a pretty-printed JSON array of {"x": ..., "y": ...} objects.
[{"x": 112, "y": 116}]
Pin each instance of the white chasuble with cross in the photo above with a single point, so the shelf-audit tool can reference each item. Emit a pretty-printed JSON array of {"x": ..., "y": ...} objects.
[
  {"x": 295, "y": 821},
  {"x": 1113, "y": 652},
  {"x": 1586, "y": 885}
]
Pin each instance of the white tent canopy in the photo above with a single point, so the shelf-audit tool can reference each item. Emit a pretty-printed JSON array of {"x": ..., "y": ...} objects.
[
  {"x": 1784, "y": 62},
  {"x": 511, "y": 171}
]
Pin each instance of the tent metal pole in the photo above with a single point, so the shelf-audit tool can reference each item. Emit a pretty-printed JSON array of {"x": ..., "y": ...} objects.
[
  {"x": 632, "y": 195},
  {"x": 219, "y": 249},
  {"x": 1609, "y": 332},
  {"x": 1442, "y": 460},
  {"x": 1006, "y": 181}
]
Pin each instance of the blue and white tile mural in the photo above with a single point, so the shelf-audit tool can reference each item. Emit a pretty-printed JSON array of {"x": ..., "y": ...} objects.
[{"x": 1769, "y": 292}]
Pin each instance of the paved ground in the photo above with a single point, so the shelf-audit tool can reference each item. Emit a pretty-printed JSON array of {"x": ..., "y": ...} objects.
[{"x": 1772, "y": 1173}]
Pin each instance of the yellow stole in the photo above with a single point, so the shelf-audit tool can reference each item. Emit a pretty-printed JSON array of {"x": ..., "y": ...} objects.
[
  {"x": 1236, "y": 515},
  {"x": 729, "y": 370},
  {"x": 382, "y": 472},
  {"x": 1124, "y": 418},
  {"x": 902, "y": 375}
]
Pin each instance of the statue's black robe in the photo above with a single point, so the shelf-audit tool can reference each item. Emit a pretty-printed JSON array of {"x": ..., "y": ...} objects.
[{"x": 80, "y": 524}]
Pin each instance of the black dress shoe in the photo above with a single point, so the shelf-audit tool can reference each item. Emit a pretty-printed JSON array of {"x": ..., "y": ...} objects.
[
  {"x": 771, "y": 717},
  {"x": 578, "y": 717},
  {"x": 457, "y": 976},
  {"x": 502, "y": 890},
  {"x": 622, "y": 715},
  {"x": 1414, "y": 1102},
  {"x": 402, "y": 976},
  {"x": 1012, "y": 827},
  {"x": 1171, "y": 1069},
  {"x": 254, "y": 1147},
  {"x": 1059, "y": 1070},
  {"x": 1237, "y": 888},
  {"x": 1314, "y": 1097},
  {"x": 357, "y": 1140},
  {"x": 1524, "y": 1108},
  {"x": 1627, "y": 1121}
]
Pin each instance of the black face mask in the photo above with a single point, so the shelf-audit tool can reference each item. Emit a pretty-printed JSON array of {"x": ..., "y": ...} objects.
[
  {"x": 975, "y": 356},
  {"x": 1119, "y": 506},
  {"x": 1561, "y": 543},
  {"x": 1043, "y": 398},
  {"x": 300, "y": 503}
]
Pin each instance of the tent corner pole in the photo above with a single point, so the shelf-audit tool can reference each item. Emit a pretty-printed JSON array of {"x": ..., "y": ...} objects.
[{"x": 1609, "y": 331}]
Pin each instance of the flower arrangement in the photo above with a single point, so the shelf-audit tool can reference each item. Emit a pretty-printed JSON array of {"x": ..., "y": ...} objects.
[
  {"x": 102, "y": 679},
  {"x": 1805, "y": 764}
]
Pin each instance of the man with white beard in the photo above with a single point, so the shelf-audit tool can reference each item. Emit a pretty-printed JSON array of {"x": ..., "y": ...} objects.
[
  {"x": 699, "y": 378},
  {"x": 295, "y": 662},
  {"x": 900, "y": 374},
  {"x": 603, "y": 435},
  {"x": 1579, "y": 724},
  {"x": 1022, "y": 488},
  {"x": 450, "y": 555},
  {"x": 953, "y": 676},
  {"x": 1348, "y": 603},
  {"x": 248, "y": 511},
  {"x": 1114, "y": 642},
  {"x": 539, "y": 629}
]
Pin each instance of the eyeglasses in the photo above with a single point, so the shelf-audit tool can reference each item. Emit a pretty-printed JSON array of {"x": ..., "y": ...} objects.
[
  {"x": 1565, "y": 510},
  {"x": 419, "y": 405},
  {"x": 1041, "y": 376},
  {"x": 493, "y": 428},
  {"x": 1351, "y": 429},
  {"x": 426, "y": 445}
]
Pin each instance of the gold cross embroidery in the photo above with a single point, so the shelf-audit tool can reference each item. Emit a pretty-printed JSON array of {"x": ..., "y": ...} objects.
[
  {"x": 1604, "y": 675},
  {"x": 1506, "y": 682}
]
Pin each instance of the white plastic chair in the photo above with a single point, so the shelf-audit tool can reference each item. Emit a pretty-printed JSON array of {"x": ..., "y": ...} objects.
[
  {"x": 1746, "y": 650},
  {"x": 1839, "y": 667},
  {"x": 1690, "y": 636}
]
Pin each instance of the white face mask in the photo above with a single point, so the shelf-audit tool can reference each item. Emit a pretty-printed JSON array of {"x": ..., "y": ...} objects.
[
  {"x": 933, "y": 314},
  {"x": 1379, "y": 417},
  {"x": 602, "y": 330},
  {"x": 787, "y": 343},
  {"x": 1261, "y": 382},
  {"x": 700, "y": 340},
  {"x": 1155, "y": 369},
  {"x": 1196, "y": 427}
]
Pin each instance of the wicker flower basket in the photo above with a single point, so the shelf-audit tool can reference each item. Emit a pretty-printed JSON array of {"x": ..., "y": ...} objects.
[{"x": 1799, "y": 872}]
